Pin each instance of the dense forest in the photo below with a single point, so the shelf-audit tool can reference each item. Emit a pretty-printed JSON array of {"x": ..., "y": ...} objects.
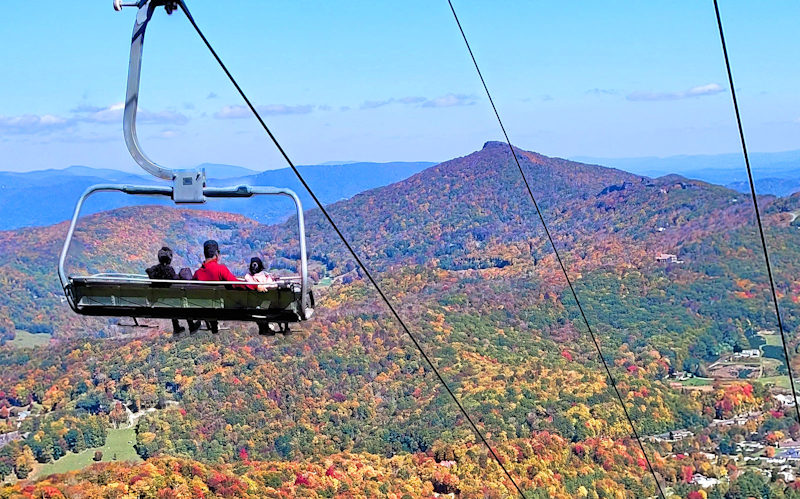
[{"x": 346, "y": 403}]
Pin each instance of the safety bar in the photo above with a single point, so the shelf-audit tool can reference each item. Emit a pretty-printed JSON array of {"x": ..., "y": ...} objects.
[
  {"x": 145, "y": 278},
  {"x": 241, "y": 191}
]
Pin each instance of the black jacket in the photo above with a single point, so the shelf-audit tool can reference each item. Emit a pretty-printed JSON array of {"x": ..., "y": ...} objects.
[{"x": 161, "y": 271}]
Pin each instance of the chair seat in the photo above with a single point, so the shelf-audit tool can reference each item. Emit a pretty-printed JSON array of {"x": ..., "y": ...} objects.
[{"x": 186, "y": 300}]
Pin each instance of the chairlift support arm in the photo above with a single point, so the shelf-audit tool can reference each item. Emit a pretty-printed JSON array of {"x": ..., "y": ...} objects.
[{"x": 188, "y": 184}]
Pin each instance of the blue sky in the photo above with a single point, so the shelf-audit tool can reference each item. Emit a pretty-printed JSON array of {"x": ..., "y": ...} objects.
[{"x": 386, "y": 81}]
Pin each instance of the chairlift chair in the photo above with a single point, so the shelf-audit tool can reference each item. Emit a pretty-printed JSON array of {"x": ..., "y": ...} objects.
[{"x": 287, "y": 300}]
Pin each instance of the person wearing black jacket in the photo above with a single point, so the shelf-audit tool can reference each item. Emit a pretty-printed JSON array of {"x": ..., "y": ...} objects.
[{"x": 163, "y": 270}]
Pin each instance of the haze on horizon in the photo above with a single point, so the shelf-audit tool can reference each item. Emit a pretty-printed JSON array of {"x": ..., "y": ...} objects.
[{"x": 374, "y": 82}]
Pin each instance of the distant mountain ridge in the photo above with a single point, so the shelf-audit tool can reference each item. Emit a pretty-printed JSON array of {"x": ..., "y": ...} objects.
[
  {"x": 776, "y": 173},
  {"x": 57, "y": 191}
]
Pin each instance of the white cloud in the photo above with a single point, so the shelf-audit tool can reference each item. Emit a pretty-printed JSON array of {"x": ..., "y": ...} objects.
[
  {"x": 164, "y": 117},
  {"x": 698, "y": 91},
  {"x": 113, "y": 114},
  {"x": 450, "y": 100},
  {"x": 110, "y": 114},
  {"x": 373, "y": 104},
  {"x": 232, "y": 113},
  {"x": 85, "y": 108},
  {"x": 602, "y": 91},
  {"x": 284, "y": 109},
  {"x": 411, "y": 100},
  {"x": 238, "y": 112},
  {"x": 32, "y": 124}
]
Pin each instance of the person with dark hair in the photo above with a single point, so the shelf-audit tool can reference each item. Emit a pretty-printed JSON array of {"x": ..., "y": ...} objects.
[
  {"x": 164, "y": 271},
  {"x": 212, "y": 270},
  {"x": 261, "y": 279},
  {"x": 257, "y": 274}
]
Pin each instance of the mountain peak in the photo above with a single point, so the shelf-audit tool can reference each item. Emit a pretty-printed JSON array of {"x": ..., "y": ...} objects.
[{"x": 493, "y": 144}]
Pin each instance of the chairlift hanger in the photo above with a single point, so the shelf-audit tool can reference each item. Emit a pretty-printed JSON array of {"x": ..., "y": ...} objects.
[{"x": 133, "y": 295}]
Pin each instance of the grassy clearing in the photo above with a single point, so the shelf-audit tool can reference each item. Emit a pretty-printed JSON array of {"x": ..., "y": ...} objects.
[
  {"x": 24, "y": 339},
  {"x": 118, "y": 442},
  {"x": 697, "y": 382},
  {"x": 779, "y": 381},
  {"x": 771, "y": 339}
]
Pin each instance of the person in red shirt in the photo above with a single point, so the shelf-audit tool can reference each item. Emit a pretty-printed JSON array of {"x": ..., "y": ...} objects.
[{"x": 212, "y": 270}]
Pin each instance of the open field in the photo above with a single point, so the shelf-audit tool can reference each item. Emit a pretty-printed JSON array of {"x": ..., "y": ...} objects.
[
  {"x": 697, "y": 382},
  {"x": 772, "y": 339},
  {"x": 779, "y": 381},
  {"x": 25, "y": 339},
  {"x": 117, "y": 443}
]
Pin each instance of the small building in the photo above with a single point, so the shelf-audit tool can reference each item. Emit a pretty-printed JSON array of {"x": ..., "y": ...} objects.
[
  {"x": 668, "y": 258},
  {"x": 681, "y": 375},
  {"x": 704, "y": 481},
  {"x": 784, "y": 399},
  {"x": 678, "y": 435},
  {"x": 7, "y": 438},
  {"x": 750, "y": 353}
]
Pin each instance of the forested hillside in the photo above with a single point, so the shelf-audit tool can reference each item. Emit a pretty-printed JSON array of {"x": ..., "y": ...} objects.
[{"x": 669, "y": 272}]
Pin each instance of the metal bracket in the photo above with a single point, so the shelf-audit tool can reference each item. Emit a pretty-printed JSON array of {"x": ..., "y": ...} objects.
[{"x": 187, "y": 184}]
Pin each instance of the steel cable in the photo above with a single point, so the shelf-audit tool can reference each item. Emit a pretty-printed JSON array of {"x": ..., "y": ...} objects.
[
  {"x": 349, "y": 247},
  {"x": 755, "y": 206},
  {"x": 557, "y": 255}
]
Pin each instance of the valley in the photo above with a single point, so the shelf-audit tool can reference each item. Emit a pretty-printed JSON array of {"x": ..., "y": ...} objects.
[{"x": 346, "y": 403}]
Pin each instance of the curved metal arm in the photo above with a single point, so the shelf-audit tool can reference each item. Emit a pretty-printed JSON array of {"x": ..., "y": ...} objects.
[
  {"x": 146, "y": 8},
  {"x": 146, "y": 190},
  {"x": 242, "y": 191}
]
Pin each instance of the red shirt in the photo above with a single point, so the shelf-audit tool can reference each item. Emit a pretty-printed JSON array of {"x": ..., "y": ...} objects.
[{"x": 214, "y": 271}]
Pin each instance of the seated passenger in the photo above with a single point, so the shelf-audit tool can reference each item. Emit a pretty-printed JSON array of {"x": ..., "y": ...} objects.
[
  {"x": 164, "y": 271},
  {"x": 212, "y": 270},
  {"x": 257, "y": 274}
]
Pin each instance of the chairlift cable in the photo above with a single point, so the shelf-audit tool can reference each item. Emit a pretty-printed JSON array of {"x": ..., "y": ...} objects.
[
  {"x": 555, "y": 251},
  {"x": 348, "y": 245},
  {"x": 755, "y": 206}
]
